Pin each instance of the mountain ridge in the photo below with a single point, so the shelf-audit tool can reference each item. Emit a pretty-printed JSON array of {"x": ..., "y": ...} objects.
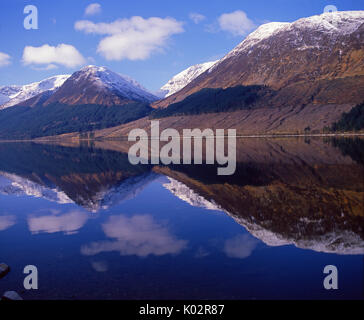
[
  {"x": 310, "y": 72},
  {"x": 15, "y": 94},
  {"x": 306, "y": 61}
]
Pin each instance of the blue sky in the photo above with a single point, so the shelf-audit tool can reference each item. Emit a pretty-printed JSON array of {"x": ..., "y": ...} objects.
[{"x": 149, "y": 50}]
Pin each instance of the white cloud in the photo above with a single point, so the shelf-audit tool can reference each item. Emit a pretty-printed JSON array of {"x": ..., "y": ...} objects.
[
  {"x": 4, "y": 59},
  {"x": 92, "y": 9},
  {"x": 197, "y": 17},
  {"x": 63, "y": 54},
  {"x": 47, "y": 67},
  {"x": 134, "y": 39},
  {"x": 236, "y": 22}
]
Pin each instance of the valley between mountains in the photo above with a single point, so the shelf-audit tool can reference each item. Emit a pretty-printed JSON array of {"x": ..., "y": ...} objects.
[{"x": 304, "y": 77}]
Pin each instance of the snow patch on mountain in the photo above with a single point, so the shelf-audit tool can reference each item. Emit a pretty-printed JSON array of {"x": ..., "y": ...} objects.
[
  {"x": 179, "y": 81},
  {"x": 3, "y": 99},
  {"x": 13, "y": 95}
]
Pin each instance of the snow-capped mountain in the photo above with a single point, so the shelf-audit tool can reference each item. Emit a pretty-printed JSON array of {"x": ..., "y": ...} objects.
[
  {"x": 12, "y": 95},
  {"x": 113, "y": 81},
  {"x": 99, "y": 85},
  {"x": 90, "y": 85},
  {"x": 182, "y": 79},
  {"x": 317, "y": 60},
  {"x": 92, "y": 90},
  {"x": 331, "y": 24}
]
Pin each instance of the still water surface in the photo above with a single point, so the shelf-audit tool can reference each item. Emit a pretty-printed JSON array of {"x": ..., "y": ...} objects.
[{"x": 99, "y": 228}]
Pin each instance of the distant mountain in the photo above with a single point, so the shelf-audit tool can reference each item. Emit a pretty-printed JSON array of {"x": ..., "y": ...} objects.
[
  {"x": 317, "y": 60},
  {"x": 92, "y": 98},
  {"x": 95, "y": 85},
  {"x": 99, "y": 85},
  {"x": 13, "y": 95},
  {"x": 183, "y": 78},
  {"x": 284, "y": 78}
]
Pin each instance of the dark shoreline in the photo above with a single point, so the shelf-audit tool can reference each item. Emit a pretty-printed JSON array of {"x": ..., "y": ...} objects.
[{"x": 125, "y": 138}]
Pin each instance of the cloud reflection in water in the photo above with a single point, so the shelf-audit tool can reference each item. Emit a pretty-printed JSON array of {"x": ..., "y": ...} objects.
[
  {"x": 138, "y": 235},
  {"x": 240, "y": 247},
  {"x": 6, "y": 222},
  {"x": 69, "y": 223}
]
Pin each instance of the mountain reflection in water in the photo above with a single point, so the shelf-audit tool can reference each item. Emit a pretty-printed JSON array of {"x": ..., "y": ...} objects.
[{"x": 305, "y": 193}]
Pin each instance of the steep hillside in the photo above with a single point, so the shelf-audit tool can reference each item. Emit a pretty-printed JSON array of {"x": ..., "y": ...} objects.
[
  {"x": 316, "y": 60},
  {"x": 32, "y": 122}
]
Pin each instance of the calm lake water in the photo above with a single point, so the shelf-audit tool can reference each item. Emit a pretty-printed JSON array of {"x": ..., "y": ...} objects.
[{"x": 97, "y": 227}]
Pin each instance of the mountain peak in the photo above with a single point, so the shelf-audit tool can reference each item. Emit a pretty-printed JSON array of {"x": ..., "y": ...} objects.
[
  {"x": 343, "y": 22},
  {"x": 182, "y": 79},
  {"x": 93, "y": 68},
  {"x": 333, "y": 24},
  {"x": 101, "y": 79}
]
